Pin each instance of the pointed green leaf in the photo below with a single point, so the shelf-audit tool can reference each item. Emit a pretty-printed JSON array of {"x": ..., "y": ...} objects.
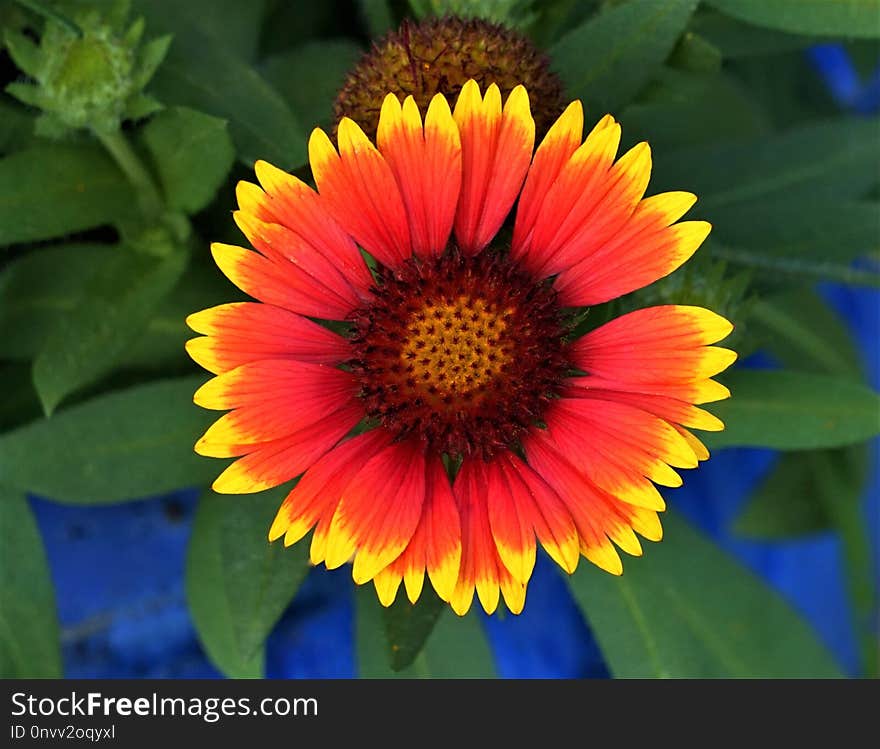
[
  {"x": 609, "y": 59},
  {"x": 794, "y": 411},
  {"x": 54, "y": 189},
  {"x": 192, "y": 153},
  {"x": 456, "y": 647},
  {"x": 24, "y": 53},
  {"x": 106, "y": 321},
  {"x": 237, "y": 583},
  {"x": 854, "y": 18},
  {"x": 408, "y": 626},
  {"x": 30, "y": 646},
  {"x": 687, "y": 610},
  {"x": 128, "y": 444}
]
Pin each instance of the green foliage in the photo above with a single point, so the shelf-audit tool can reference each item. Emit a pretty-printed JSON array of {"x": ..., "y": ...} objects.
[
  {"x": 123, "y": 133},
  {"x": 456, "y": 648},
  {"x": 127, "y": 444},
  {"x": 30, "y": 645},
  {"x": 608, "y": 59},
  {"x": 826, "y": 17},
  {"x": 687, "y": 610},
  {"x": 408, "y": 626},
  {"x": 51, "y": 190},
  {"x": 794, "y": 411},
  {"x": 324, "y": 65},
  {"x": 237, "y": 583},
  {"x": 115, "y": 306},
  {"x": 192, "y": 153}
]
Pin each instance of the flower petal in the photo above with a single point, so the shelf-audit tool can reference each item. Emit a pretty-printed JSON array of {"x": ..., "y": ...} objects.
[
  {"x": 645, "y": 249},
  {"x": 360, "y": 192},
  {"x": 274, "y": 463},
  {"x": 496, "y": 149},
  {"x": 293, "y": 204},
  {"x": 242, "y": 332},
  {"x": 656, "y": 346},
  {"x": 481, "y": 567},
  {"x": 379, "y": 511},
  {"x": 280, "y": 284},
  {"x": 426, "y": 162},
  {"x": 321, "y": 486}
]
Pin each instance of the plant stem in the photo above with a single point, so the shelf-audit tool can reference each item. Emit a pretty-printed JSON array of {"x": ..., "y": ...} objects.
[{"x": 147, "y": 193}]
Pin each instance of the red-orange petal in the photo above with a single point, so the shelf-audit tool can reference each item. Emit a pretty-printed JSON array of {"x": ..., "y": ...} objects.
[
  {"x": 426, "y": 162},
  {"x": 656, "y": 345},
  {"x": 290, "y": 202},
  {"x": 242, "y": 332},
  {"x": 496, "y": 149},
  {"x": 278, "y": 283},
  {"x": 320, "y": 489},
  {"x": 276, "y": 462},
  {"x": 379, "y": 511},
  {"x": 358, "y": 188},
  {"x": 481, "y": 567},
  {"x": 644, "y": 250},
  {"x": 435, "y": 546}
]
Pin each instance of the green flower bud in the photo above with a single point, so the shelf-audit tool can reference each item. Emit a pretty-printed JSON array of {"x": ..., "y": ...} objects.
[{"x": 92, "y": 79}]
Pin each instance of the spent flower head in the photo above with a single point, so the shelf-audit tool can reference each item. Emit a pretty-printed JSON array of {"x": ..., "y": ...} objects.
[{"x": 438, "y": 56}]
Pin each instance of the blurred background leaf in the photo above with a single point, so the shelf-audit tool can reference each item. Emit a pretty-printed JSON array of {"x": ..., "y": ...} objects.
[
  {"x": 794, "y": 411},
  {"x": 29, "y": 637},
  {"x": 608, "y": 59},
  {"x": 831, "y": 17}
]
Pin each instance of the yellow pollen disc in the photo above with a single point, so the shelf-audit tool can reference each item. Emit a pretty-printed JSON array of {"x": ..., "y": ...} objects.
[{"x": 456, "y": 347}]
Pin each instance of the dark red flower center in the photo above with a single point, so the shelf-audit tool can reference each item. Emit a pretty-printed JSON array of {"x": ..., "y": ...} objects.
[{"x": 463, "y": 353}]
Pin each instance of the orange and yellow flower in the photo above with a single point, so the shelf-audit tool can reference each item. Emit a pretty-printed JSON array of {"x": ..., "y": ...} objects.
[{"x": 450, "y": 424}]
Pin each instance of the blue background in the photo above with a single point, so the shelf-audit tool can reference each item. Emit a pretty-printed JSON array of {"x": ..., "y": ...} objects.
[{"x": 119, "y": 570}]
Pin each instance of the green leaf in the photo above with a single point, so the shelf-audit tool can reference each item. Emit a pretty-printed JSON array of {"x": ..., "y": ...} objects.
[
  {"x": 687, "y": 610},
  {"x": 835, "y": 159},
  {"x": 234, "y": 25},
  {"x": 204, "y": 74},
  {"x": 108, "y": 318},
  {"x": 794, "y": 411},
  {"x": 513, "y": 13},
  {"x": 608, "y": 59},
  {"x": 324, "y": 65},
  {"x": 795, "y": 497},
  {"x": 34, "y": 292},
  {"x": 855, "y": 18},
  {"x": 54, "y": 189},
  {"x": 738, "y": 40},
  {"x": 30, "y": 645},
  {"x": 192, "y": 153},
  {"x": 783, "y": 267},
  {"x": 377, "y": 15},
  {"x": 237, "y": 583},
  {"x": 804, "y": 227},
  {"x": 456, "y": 648},
  {"x": 801, "y": 330},
  {"x": 128, "y": 444},
  {"x": 19, "y": 403},
  {"x": 408, "y": 626},
  {"x": 689, "y": 108}
]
